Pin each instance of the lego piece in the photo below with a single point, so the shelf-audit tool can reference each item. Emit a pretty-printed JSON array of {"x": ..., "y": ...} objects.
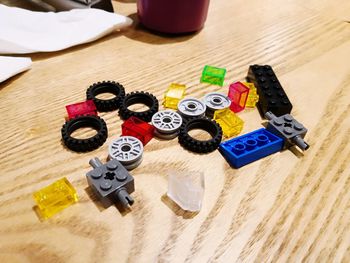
[
  {"x": 173, "y": 95},
  {"x": 272, "y": 97},
  {"x": 167, "y": 124},
  {"x": 111, "y": 182},
  {"x": 213, "y": 75},
  {"x": 230, "y": 123},
  {"x": 138, "y": 128},
  {"x": 238, "y": 94},
  {"x": 55, "y": 197},
  {"x": 127, "y": 150},
  {"x": 215, "y": 101},
  {"x": 292, "y": 131},
  {"x": 191, "y": 107},
  {"x": 186, "y": 189},
  {"x": 111, "y": 87},
  {"x": 81, "y": 108},
  {"x": 138, "y": 97},
  {"x": 253, "y": 96},
  {"x": 250, "y": 147}
]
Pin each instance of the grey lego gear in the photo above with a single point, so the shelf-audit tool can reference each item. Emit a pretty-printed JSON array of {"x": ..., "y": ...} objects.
[
  {"x": 167, "y": 124},
  {"x": 127, "y": 150},
  {"x": 215, "y": 101},
  {"x": 288, "y": 128},
  {"x": 191, "y": 107},
  {"x": 111, "y": 182}
]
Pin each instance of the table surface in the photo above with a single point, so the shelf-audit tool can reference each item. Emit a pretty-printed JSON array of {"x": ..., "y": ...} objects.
[{"x": 290, "y": 206}]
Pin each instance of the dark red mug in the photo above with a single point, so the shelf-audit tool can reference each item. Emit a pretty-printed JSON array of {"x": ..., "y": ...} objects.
[{"x": 173, "y": 16}]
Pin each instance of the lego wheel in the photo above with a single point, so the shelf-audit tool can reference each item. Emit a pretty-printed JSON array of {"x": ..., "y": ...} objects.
[
  {"x": 106, "y": 87},
  {"x": 199, "y": 146},
  {"x": 89, "y": 144},
  {"x": 127, "y": 150},
  {"x": 142, "y": 98}
]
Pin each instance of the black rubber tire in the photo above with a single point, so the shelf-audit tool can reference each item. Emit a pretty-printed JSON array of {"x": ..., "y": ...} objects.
[
  {"x": 198, "y": 146},
  {"x": 139, "y": 97},
  {"x": 106, "y": 87},
  {"x": 84, "y": 145}
]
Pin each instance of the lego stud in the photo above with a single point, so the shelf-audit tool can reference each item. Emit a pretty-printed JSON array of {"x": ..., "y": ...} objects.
[
  {"x": 262, "y": 139},
  {"x": 127, "y": 150},
  {"x": 105, "y": 185},
  {"x": 238, "y": 148}
]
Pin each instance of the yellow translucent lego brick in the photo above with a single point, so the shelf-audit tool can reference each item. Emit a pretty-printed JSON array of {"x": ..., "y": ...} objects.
[
  {"x": 230, "y": 123},
  {"x": 173, "y": 95},
  {"x": 253, "y": 96},
  {"x": 55, "y": 197}
]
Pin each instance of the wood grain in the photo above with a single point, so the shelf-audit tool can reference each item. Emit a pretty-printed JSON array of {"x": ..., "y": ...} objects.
[{"x": 289, "y": 207}]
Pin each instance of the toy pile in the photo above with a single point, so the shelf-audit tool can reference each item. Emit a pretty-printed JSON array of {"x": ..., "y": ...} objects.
[{"x": 215, "y": 113}]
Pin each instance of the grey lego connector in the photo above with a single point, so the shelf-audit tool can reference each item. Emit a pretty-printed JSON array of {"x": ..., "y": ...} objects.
[
  {"x": 285, "y": 126},
  {"x": 111, "y": 182}
]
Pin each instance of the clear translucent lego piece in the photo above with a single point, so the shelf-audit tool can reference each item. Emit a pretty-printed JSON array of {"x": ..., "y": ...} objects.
[{"x": 186, "y": 188}]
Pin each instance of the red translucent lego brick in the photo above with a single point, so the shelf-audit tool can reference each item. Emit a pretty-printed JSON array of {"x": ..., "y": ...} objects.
[
  {"x": 82, "y": 108},
  {"x": 138, "y": 129},
  {"x": 238, "y": 94}
]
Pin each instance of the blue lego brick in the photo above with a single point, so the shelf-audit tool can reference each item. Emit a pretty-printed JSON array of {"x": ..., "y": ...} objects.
[{"x": 250, "y": 147}]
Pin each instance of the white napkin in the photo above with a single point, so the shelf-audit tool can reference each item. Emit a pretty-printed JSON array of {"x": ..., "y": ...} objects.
[
  {"x": 23, "y": 31},
  {"x": 10, "y": 66}
]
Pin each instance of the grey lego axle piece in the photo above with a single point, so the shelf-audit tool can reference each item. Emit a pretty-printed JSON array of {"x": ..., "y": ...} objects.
[
  {"x": 111, "y": 182},
  {"x": 288, "y": 128}
]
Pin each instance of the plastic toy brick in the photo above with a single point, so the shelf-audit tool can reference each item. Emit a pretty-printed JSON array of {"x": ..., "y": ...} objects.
[
  {"x": 292, "y": 131},
  {"x": 55, "y": 197},
  {"x": 138, "y": 129},
  {"x": 111, "y": 182},
  {"x": 253, "y": 96},
  {"x": 238, "y": 94},
  {"x": 250, "y": 147},
  {"x": 173, "y": 95},
  {"x": 230, "y": 123},
  {"x": 213, "y": 75},
  {"x": 272, "y": 97},
  {"x": 82, "y": 108}
]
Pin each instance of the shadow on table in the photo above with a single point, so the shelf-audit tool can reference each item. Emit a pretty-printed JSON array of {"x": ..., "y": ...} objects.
[
  {"x": 9, "y": 81},
  {"x": 177, "y": 209}
]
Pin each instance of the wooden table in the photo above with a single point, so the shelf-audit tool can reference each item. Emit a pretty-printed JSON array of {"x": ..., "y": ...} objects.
[{"x": 287, "y": 207}]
